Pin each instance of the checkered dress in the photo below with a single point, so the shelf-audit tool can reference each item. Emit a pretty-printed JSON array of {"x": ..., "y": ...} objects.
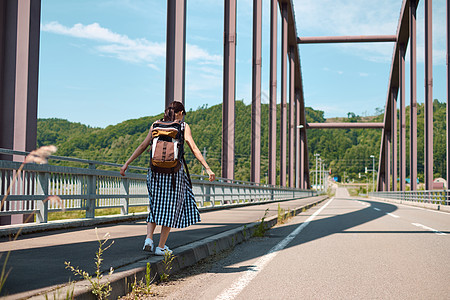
[{"x": 171, "y": 206}]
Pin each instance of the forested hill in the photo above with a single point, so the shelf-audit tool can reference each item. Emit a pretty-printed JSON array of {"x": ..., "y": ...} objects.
[{"x": 343, "y": 150}]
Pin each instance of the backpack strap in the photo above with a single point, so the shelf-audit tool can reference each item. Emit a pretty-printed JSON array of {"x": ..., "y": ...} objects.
[
  {"x": 187, "y": 172},
  {"x": 183, "y": 127}
]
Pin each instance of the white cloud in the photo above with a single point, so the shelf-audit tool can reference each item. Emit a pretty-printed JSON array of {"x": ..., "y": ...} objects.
[
  {"x": 194, "y": 52},
  {"x": 122, "y": 47},
  {"x": 349, "y": 17}
]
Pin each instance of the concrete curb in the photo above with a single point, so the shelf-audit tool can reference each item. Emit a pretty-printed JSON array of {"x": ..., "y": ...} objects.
[
  {"x": 28, "y": 228},
  {"x": 444, "y": 208},
  {"x": 185, "y": 256}
]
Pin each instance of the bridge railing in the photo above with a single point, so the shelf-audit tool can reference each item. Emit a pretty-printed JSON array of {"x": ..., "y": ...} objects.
[
  {"x": 89, "y": 188},
  {"x": 440, "y": 197}
]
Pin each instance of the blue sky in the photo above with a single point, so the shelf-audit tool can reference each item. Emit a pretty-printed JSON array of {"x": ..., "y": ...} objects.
[{"x": 103, "y": 62}]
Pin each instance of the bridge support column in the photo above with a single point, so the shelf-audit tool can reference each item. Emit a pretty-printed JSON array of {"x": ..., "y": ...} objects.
[
  {"x": 291, "y": 117},
  {"x": 394, "y": 138},
  {"x": 387, "y": 163},
  {"x": 413, "y": 95},
  {"x": 402, "y": 123},
  {"x": 304, "y": 176},
  {"x": 298, "y": 151},
  {"x": 382, "y": 186},
  {"x": 273, "y": 94},
  {"x": 19, "y": 72},
  {"x": 428, "y": 135},
  {"x": 19, "y": 69},
  {"x": 284, "y": 42},
  {"x": 229, "y": 89},
  {"x": 175, "y": 50},
  {"x": 255, "y": 175},
  {"x": 448, "y": 94}
]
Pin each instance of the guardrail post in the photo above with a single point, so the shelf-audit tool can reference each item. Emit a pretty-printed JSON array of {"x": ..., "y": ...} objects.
[
  {"x": 91, "y": 193},
  {"x": 206, "y": 194},
  {"x": 124, "y": 202},
  {"x": 42, "y": 206}
]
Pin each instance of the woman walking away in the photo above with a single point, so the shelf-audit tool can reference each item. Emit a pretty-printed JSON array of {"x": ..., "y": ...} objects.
[{"x": 172, "y": 203}]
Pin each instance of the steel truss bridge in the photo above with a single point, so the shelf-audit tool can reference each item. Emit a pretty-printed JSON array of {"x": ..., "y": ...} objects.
[{"x": 19, "y": 66}]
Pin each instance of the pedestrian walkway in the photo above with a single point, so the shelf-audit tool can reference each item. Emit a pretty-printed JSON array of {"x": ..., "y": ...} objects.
[{"x": 37, "y": 260}]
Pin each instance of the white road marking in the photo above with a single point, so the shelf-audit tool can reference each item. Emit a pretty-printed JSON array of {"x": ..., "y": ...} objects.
[
  {"x": 428, "y": 228},
  {"x": 249, "y": 275},
  {"x": 377, "y": 209},
  {"x": 415, "y": 207},
  {"x": 392, "y": 215}
]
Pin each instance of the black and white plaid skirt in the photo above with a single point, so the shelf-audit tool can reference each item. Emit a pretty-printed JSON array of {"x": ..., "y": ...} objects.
[{"x": 171, "y": 205}]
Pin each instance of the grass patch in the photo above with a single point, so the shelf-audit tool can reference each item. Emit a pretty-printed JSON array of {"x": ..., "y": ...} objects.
[
  {"x": 353, "y": 191},
  {"x": 283, "y": 216},
  {"x": 81, "y": 214},
  {"x": 261, "y": 228}
]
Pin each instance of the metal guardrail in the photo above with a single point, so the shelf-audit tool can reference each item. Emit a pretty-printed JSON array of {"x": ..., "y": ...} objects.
[
  {"x": 90, "y": 188},
  {"x": 441, "y": 197}
]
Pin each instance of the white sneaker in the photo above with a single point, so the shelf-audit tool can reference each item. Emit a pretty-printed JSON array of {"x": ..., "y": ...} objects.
[
  {"x": 162, "y": 251},
  {"x": 148, "y": 245}
]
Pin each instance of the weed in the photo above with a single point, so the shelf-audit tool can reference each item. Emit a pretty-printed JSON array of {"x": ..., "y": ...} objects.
[
  {"x": 261, "y": 228},
  {"x": 215, "y": 248},
  {"x": 167, "y": 262},
  {"x": 139, "y": 288},
  {"x": 283, "y": 216},
  {"x": 101, "y": 290},
  {"x": 57, "y": 293},
  {"x": 38, "y": 156}
]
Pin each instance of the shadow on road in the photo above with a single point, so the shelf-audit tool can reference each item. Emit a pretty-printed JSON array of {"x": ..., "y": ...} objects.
[{"x": 47, "y": 263}]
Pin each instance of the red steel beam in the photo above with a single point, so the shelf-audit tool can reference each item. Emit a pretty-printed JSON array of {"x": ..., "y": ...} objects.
[
  {"x": 387, "y": 163},
  {"x": 19, "y": 74},
  {"x": 394, "y": 138},
  {"x": 413, "y": 94},
  {"x": 347, "y": 39},
  {"x": 175, "y": 50},
  {"x": 19, "y": 70},
  {"x": 403, "y": 36},
  {"x": 402, "y": 122},
  {"x": 292, "y": 42},
  {"x": 448, "y": 94},
  {"x": 229, "y": 89},
  {"x": 297, "y": 147},
  {"x": 272, "y": 176},
  {"x": 428, "y": 135},
  {"x": 255, "y": 174},
  {"x": 284, "y": 45},
  {"x": 343, "y": 125},
  {"x": 291, "y": 117}
]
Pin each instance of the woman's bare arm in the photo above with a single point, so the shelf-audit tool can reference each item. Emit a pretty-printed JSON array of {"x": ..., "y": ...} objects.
[
  {"x": 190, "y": 141},
  {"x": 141, "y": 148}
]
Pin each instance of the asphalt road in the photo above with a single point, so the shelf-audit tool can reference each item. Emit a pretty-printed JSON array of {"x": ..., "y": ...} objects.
[
  {"x": 37, "y": 260},
  {"x": 344, "y": 248}
]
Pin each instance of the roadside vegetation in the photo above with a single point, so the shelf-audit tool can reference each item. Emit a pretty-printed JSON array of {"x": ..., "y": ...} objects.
[{"x": 343, "y": 150}]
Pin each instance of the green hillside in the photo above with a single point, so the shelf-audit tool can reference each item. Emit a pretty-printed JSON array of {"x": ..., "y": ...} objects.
[{"x": 346, "y": 150}]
